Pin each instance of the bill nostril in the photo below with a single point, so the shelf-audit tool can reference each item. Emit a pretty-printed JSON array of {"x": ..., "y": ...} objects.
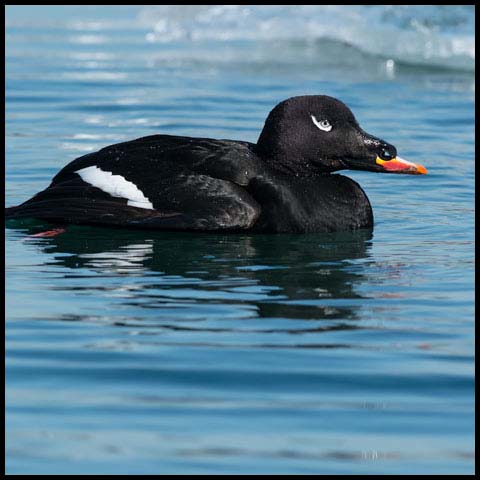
[
  {"x": 388, "y": 153},
  {"x": 379, "y": 147}
]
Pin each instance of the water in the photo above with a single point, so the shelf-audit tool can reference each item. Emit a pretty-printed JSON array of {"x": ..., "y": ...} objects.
[{"x": 144, "y": 352}]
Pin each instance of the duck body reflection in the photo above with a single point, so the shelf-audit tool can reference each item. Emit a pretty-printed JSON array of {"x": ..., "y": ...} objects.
[{"x": 248, "y": 275}]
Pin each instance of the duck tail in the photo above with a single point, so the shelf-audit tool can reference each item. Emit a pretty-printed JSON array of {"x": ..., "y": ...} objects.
[{"x": 12, "y": 212}]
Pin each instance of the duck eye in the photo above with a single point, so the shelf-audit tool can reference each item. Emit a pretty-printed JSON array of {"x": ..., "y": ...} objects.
[{"x": 322, "y": 124}]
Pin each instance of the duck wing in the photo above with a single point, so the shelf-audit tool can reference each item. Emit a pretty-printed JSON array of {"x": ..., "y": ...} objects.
[{"x": 159, "y": 182}]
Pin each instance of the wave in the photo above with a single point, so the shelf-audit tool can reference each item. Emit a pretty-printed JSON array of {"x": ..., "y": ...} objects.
[{"x": 428, "y": 35}]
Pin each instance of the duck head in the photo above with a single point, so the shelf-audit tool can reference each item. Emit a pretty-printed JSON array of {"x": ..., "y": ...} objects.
[{"x": 317, "y": 133}]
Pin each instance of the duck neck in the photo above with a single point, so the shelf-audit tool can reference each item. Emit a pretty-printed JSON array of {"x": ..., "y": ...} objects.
[
  {"x": 281, "y": 160},
  {"x": 275, "y": 154}
]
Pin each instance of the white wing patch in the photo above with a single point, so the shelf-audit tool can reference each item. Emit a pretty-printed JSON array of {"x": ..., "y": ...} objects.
[{"x": 116, "y": 186}]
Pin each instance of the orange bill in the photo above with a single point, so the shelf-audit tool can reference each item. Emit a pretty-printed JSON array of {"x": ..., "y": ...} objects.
[{"x": 400, "y": 165}]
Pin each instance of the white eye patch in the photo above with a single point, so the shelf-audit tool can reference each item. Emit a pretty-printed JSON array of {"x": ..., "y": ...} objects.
[
  {"x": 322, "y": 124},
  {"x": 116, "y": 186}
]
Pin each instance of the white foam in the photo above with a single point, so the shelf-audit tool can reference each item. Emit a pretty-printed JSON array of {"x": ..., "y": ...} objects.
[
  {"x": 116, "y": 186},
  {"x": 430, "y": 35}
]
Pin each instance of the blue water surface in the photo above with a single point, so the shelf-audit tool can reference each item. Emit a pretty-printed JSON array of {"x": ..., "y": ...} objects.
[{"x": 132, "y": 352}]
